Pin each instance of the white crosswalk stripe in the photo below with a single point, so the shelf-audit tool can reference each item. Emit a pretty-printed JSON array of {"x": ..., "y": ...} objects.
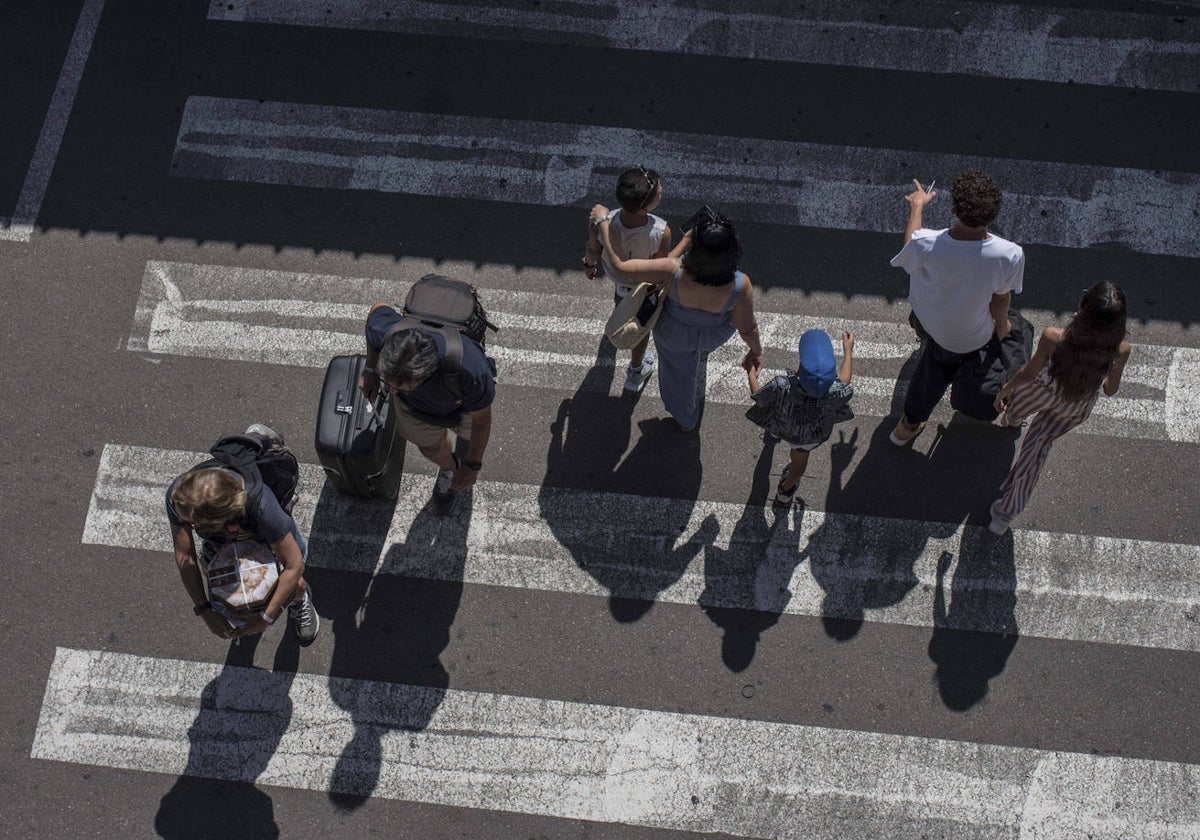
[
  {"x": 773, "y": 181},
  {"x": 600, "y": 763},
  {"x": 549, "y": 340},
  {"x": 1068, "y": 586},
  {"x": 1096, "y": 47}
]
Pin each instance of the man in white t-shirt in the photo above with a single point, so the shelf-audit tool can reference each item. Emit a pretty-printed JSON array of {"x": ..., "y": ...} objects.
[
  {"x": 961, "y": 281},
  {"x": 637, "y": 234}
]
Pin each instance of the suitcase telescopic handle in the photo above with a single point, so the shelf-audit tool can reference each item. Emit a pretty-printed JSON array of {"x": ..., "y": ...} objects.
[{"x": 373, "y": 409}]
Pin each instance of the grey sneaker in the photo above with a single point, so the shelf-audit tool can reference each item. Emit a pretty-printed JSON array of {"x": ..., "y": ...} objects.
[
  {"x": 443, "y": 492},
  {"x": 303, "y": 616},
  {"x": 999, "y": 524},
  {"x": 635, "y": 378},
  {"x": 266, "y": 431}
]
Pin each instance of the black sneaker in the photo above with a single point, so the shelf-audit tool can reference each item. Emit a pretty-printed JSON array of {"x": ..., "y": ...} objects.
[{"x": 443, "y": 491}]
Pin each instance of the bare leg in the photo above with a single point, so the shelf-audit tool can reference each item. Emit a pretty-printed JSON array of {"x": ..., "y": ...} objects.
[
  {"x": 442, "y": 454},
  {"x": 639, "y": 352},
  {"x": 796, "y": 467}
]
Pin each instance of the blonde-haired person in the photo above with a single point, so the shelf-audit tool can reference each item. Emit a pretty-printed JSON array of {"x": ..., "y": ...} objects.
[
  {"x": 1060, "y": 384},
  {"x": 211, "y": 503}
]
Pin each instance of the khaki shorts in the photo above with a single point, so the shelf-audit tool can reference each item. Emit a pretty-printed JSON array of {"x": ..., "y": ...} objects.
[{"x": 426, "y": 435}]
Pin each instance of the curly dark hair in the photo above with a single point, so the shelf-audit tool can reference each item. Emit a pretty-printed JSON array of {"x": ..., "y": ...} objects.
[
  {"x": 975, "y": 198},
  {"x": 1090, "y": 343},
  {"x": 715, "y": 252}
]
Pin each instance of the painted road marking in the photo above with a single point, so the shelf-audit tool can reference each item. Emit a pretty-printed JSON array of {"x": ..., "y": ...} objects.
[
  {"x": 574, "y": 760},
  {"x": 549, "y": 340},
  {"x": 774, "y": 181},
  {"x": 1095, "y": 47},
  {"x": 1064, "y": 586},
  {"x": 20, "y": 227}
]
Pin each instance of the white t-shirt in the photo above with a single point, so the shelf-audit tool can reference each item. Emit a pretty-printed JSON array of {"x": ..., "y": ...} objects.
[
  {"x": 639, "y": 243},
  {"x": 951, "y": 283}
]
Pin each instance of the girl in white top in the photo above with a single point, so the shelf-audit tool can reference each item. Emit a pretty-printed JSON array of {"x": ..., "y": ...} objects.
[{"x": 636, "y": 234}]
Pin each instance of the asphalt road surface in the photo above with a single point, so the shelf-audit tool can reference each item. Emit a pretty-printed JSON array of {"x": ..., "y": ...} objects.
[{"x": 615, "y": 634}]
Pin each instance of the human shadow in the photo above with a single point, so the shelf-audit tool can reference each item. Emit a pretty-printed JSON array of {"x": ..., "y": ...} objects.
[
  {"x": 244, "y": 713},
  {"x": 389, "y": 627},
  {"x": 600, "y": 502},
  {"x": 861, "y": 561},
  {"x": 746, "y": 585},
  {"x": 973, "y": 638},
  {"x": 865, "y": 561}
]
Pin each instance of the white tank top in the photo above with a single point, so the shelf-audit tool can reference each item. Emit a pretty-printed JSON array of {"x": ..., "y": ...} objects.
[{"x": 640, "y": 243}]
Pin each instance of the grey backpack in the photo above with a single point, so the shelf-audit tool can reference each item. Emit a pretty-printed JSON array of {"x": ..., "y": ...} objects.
[{"x": 452, "y": 308}]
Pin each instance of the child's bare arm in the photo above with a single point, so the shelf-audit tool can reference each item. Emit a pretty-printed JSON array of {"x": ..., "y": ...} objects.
[
  {"x": 752, "y": 376},
  {"x": 847, "y": 356}
]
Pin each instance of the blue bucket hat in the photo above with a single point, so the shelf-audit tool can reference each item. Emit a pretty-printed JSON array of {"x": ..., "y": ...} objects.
[{"x": 818, "y": 367}]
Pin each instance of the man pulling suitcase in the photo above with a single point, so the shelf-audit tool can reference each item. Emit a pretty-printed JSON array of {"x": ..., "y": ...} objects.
[{"x": 430, "y": 357}]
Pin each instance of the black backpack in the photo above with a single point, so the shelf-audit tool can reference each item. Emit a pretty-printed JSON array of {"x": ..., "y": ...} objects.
[
  {"x": 452, "y": 308},
  {"x": 983, "y": 373},
  {"x": 260, "y": 462}
]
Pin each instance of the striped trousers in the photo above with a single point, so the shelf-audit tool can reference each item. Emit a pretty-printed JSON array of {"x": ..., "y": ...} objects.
[{"x": 1055, "y": 417}]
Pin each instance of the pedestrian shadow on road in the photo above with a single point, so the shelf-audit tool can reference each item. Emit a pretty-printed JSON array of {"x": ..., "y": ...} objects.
[
  {"x": 594, "y": 495},
  {"x": 244, "y": 713},
  {"x": 879, "y": 522},
  {"x": 975, "y": 635},
  {"x": 388, "y": 627},
  {"x": 746, "y": 585}
]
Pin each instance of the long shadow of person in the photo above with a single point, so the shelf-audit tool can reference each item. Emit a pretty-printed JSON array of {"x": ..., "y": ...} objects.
[
  {"x": 861, "y": 561},
  {"x": 244, "y": 713},
  {"x": 746, "y": 585},
  {"x": 391, "y": 627},
  {"x": 591, "y": 500},
  {"x": 973, "y": 639}
]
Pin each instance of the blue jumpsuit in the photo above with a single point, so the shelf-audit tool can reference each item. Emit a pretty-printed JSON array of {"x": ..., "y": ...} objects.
[{"x": 681, "y": 336}]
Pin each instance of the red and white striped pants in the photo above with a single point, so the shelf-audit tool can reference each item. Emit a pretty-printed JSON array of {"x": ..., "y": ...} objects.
[{"x": 1055, "y": 417}]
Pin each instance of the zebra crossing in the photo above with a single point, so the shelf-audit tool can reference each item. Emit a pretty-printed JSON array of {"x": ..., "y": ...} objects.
[
  {"x": 598, "y": 763},
  {"x": 548, "y": 339},
  {"x": 773, "y": 181},
  {"x": 624, "y": 765}
]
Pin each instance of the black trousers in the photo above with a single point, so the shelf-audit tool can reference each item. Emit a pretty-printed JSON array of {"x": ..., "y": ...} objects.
[{"x": 935, "y": 371}]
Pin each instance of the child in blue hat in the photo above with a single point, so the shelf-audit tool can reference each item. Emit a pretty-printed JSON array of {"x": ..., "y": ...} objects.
[{"x": 802, "y": 407}]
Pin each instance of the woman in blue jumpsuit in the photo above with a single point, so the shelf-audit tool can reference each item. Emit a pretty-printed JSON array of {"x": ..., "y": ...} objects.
[{"x": 708, "y": 300}]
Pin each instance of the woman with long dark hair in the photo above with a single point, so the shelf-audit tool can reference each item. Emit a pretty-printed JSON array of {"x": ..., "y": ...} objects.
[
  {"x": 708, "y": 299},
  {"x": 1060, "y": 384}
]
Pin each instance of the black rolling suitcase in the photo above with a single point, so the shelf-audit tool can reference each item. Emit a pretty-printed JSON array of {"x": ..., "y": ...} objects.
[{"x": 356, "y": 441}]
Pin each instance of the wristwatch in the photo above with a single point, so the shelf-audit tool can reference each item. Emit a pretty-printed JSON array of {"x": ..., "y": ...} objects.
[
  {"x": 473, "y": 465},
  {"x": 201, "y": 609}
]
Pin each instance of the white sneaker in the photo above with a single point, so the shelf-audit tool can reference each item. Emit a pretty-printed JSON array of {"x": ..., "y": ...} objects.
[{"x": 635, "y": 378}]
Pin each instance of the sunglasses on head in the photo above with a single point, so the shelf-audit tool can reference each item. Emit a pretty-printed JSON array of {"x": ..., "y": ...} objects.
[{"x": 651, "y": 185}]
